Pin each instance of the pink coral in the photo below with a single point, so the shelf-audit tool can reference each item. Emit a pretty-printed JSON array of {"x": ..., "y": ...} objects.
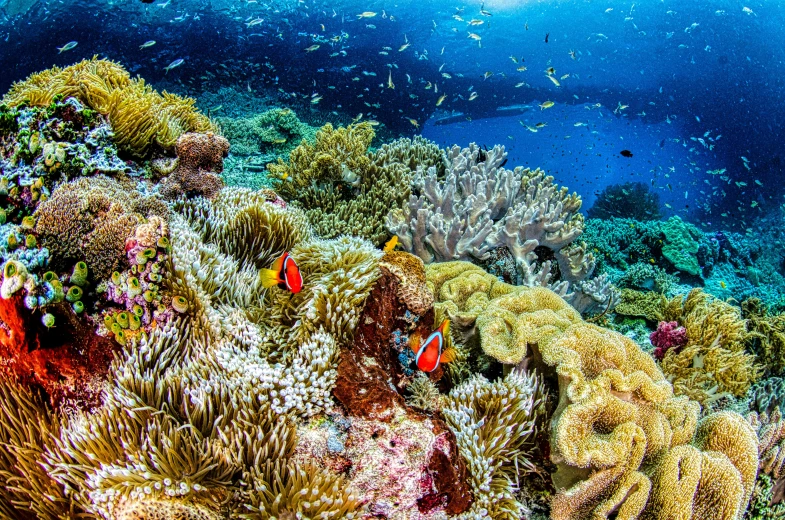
[{"x": 667, "y": 336}]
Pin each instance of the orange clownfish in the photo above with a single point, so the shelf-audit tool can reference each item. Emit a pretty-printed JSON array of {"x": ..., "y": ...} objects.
[
  {"x": 284, "y": 273},
  {"x": 435, "y": 349}
]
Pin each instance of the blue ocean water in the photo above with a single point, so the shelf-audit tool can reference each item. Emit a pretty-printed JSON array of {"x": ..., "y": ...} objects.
[{"x": 687, "y": 87}]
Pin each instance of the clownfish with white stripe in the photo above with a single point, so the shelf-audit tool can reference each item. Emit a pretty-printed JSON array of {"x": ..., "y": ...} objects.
[
  {"x": 284, "y": 273},
  {"x": 437, "y": 348}
]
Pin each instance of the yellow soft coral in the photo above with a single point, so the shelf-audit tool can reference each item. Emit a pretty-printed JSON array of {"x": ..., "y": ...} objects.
[
  {"x": 714, "y": 363},
  {"x": 142, "y": 119},
  {"x": 470, "y": 296},
  {"x": 336, "y": 155},
  {"x": 619, "y": 435}
]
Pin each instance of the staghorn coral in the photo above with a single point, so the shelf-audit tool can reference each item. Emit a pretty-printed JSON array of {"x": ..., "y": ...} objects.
[
  {"x": 199, "y": 161},
  {"x": 89, "y": 219},
  {"x": 143, "y": 121},
  {"x": 714, "y": 363},
  {"x": 495, "y": 425}
]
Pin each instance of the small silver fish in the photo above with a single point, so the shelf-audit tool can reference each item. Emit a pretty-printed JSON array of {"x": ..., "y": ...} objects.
[
  {"x": 67, "y": 47},
  {"x": 147, "y": 44},
  {"x": 174, "y": 64}
]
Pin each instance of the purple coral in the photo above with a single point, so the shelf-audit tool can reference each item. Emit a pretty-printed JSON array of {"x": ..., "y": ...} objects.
[{"x": 667, "y": 336}]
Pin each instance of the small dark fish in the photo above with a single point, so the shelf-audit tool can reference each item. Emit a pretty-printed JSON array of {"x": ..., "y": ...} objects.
[
  {"x": 662, "y": 143},
  {"x": 626, "y": 153},
  {"x": 546, "y": 37},
  {"x": 148, "y": 1},
  {"x": 503, "y": 162}
]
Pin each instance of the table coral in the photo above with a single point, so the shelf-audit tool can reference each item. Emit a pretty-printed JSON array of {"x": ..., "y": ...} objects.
[{"x": 199, "y": 161}]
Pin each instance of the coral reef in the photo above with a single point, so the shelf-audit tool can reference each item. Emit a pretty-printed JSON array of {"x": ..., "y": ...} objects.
[
  {"x": 479, "y": 206},
  {"x": 509, "y": 319},
  {"x": 277, "y": 129},
  {"x": 143, "y": 121},
  {"x": 714, "y": 362},
  {"x": 199, "y": 160},
  {"x": 766, "y": 335},
  {"x": 667, "y": 336},
  {"x": 681, "y": 245},
  {"x": 649, "y": 305},
  {"x": 90, "y": 219},
  {"x": 767, "y": 394},
  {"x": 345, "y": 190},
  {"x": 633, "y": 200},
  {"x": 495, "y": 425}
]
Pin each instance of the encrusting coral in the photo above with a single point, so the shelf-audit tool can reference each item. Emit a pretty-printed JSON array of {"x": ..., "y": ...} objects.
[
  {"x": 90, "y": 219},
  {"x": 142, "y": 119}
]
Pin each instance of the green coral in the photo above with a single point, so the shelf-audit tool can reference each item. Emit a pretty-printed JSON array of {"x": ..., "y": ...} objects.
[
  {"x": 345, "y": 190},
  {"x": 621, "y": 242},
  {"x": 681, "y": 245},
  {"x": 276, "y": 130},
  {"x": 649, "y": 305}
]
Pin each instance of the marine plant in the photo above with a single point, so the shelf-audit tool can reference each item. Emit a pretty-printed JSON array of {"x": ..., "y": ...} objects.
[{"x": 143, "y": 120}]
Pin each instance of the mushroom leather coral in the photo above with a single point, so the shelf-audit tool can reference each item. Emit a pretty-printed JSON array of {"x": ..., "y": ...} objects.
[
  {"x": 618, "y": 434},
  {"x": 619, "y": 437}
]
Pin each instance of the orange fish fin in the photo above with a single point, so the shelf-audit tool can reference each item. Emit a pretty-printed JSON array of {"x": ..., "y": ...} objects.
[
  {"x": 278, "y": 264},
  {"x": 269, "y": 277},
  {"x": 414, "y": 342},
  {"x": 448, "y": 355}
]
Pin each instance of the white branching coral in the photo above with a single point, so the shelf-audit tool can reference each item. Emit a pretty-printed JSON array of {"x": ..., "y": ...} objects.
[
  {"x": 479, "y": 205},
  {"x": 494, "y": 425}
]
